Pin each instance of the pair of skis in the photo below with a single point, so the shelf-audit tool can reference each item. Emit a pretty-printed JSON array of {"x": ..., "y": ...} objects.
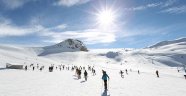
[{"x": 105, "y": 93}]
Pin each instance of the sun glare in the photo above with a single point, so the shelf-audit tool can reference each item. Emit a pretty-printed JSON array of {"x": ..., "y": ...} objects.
[{"x": 105, "y": 18}]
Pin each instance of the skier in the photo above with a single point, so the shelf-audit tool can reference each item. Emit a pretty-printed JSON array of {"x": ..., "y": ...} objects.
[
  {"x": 76, "y": 73},
  {"x": 126, "y": 71},
  {"x": 25, "y": 68},
  {"x": 79, "y": 73},
  {"x": 72, "y": 69},
  {"x": 121, "y": 72},
  {"x": 105, "y": 77},
  {"x": 51, "y": 68},
  {"x": 138, "y": 72},
  {"x": 157, "y": 73},
  {"x": 85, "y": 75},
  {"x": 33, "y": 68},
  {"x": 37, "y": 66},
  {"x": 89, "y": 68},
  {"x": 60, "y": 68},
  {"x": 63, "y": 67},
  {"x": 41, "y": 69},
  {"x": 94, "y": 72},
  {"x": 31, "y": 65}
]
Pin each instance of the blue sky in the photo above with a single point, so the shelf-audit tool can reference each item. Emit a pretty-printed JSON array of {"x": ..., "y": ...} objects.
[{"x": 135, "y": 23}]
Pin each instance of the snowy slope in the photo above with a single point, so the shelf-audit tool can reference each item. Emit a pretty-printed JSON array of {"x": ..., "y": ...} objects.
[
  {"x": 171, "y": 53},
  {"x": 164, "y": 43},
  {"x": 19, "y": 55},
  {"x": 166, "y": 59},
  {"x": 64, "y": 83}
]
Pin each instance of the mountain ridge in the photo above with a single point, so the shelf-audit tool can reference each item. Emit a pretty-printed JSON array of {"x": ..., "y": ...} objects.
[{"x": 168, "y": 42}]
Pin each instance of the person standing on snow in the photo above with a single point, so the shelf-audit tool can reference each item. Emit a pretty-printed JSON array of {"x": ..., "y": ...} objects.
[
  {"x": 26, "y": 68},
  {"x": 138, "y": 72},
  {"x": 157, "y": 73},
  {"x": 85, "y": 75},
  {"x": 94, "y": 72},
  {"x": 121, "y": 72},
  {"x": 105, "y": 77},
  {"x": 126, "y": 71},
  {"x": 33, "y": 68},
  {"x": 79, "y": 74}
]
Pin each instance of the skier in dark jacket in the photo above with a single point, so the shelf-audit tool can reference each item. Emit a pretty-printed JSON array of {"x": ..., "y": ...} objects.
[
  {"x": 94, "y": 72},
  {"x": 85, "y": 75},
  {"x": 138, "y": 72},
  {"x": 121, "y": 72},
  {"x": 126, "y": 71},
  {"x": 25, "y": 68},
  {"x": 79, "y": 73},
  {"x": 157, "y": 73},
  {"x": 33, "y": 68},
  {"x": 105, "y": 77}
]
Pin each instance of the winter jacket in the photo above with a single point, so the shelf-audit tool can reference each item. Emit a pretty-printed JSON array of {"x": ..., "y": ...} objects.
[
  {"x": 85, "y": 73},
  {"x": 105, "y": 76}
]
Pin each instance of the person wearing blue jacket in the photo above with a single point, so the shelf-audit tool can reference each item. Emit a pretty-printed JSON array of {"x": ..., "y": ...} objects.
[{"x": 105, "y": 77}]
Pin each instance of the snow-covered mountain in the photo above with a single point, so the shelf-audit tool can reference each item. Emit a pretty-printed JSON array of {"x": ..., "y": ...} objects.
[
  {"x": 170, "y": 53},
  {"x": 166, "y": 54},
  {"x": 165, "y": 43},
  {"x": 69, "y": 45}
]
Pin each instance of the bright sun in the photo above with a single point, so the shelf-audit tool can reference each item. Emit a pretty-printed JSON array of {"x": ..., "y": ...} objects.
[{"x": 106, "y": 17}]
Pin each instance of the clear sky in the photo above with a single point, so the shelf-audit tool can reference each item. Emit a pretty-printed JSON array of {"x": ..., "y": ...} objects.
[{"x": 98, "y": 23}]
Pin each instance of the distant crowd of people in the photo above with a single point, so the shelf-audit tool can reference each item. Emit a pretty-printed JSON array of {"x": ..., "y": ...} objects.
[{"x": 79, "y": 69}]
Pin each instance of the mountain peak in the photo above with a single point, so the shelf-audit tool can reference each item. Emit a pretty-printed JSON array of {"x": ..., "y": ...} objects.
[{"x": 68, "y": 45}]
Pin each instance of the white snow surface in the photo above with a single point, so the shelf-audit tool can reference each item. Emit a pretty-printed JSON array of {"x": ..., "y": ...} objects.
[{"x": 166, "y": 59}]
